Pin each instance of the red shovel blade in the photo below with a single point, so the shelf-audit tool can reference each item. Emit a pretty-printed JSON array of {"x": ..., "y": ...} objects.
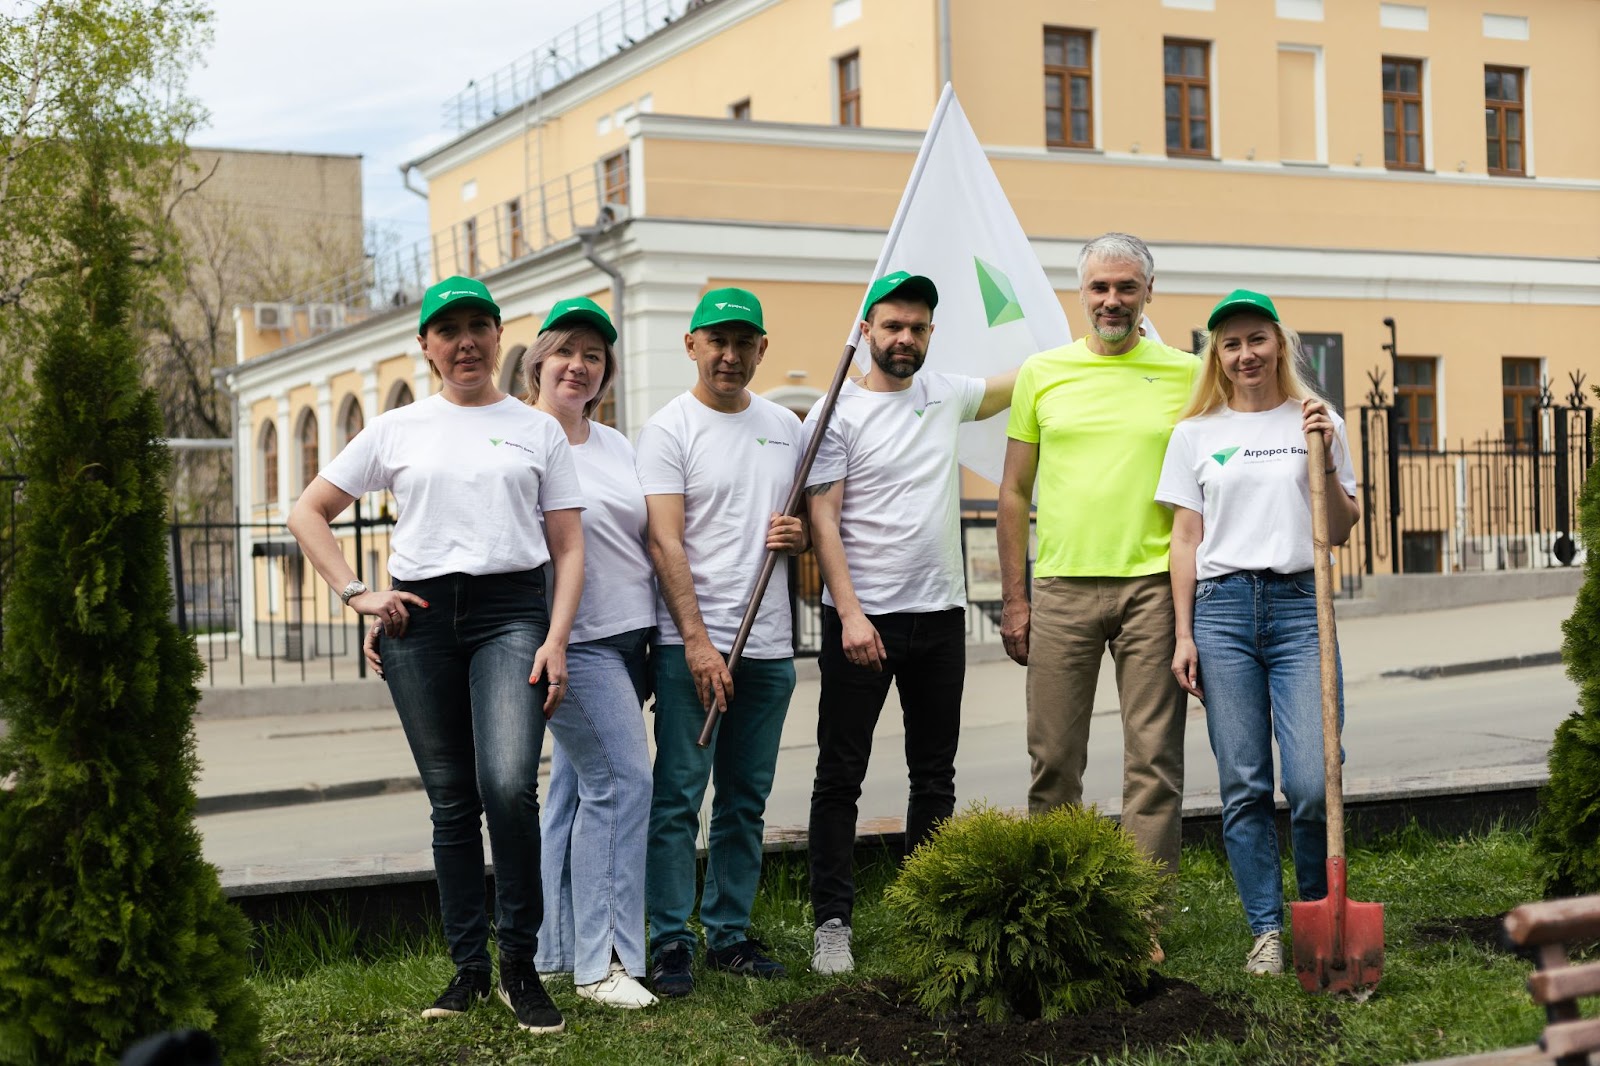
[{"x": 1338, "y": 943}]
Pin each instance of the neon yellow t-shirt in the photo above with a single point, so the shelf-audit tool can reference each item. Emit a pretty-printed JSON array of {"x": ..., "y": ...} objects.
[{"x": 1101, "y": 423}]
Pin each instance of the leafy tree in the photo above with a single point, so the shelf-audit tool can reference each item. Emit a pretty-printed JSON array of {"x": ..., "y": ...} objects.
[
  {"x": 112, "y": 925},
  {"x": 1567, "y": 834},
  {"x": 75, "y": 73},
  {"x": 1040, "y": 916}
]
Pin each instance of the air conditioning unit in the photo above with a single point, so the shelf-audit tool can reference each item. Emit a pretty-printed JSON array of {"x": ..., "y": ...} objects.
[
  {"x": 324, "y": 318},
  {"x": 274, "y": 316}
]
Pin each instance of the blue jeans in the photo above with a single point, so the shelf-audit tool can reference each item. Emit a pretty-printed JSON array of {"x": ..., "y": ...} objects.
[
  {"x": 740, "y": 763},
  {"x": 459, "y": 679},
  {"x": 927, "y": 659},
  {"x": 1259, "y": 668},
  {"x": 596, "y": 811}
]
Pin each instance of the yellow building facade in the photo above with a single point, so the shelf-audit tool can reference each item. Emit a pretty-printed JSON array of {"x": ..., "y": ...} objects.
[{"x": 1435, "y": 164}]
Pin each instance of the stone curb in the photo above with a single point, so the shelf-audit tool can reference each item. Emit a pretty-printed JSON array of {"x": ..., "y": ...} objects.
[{"x": 235, "y": 802}]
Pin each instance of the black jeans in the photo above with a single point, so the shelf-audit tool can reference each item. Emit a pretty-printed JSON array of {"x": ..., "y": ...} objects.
[
  {"x": 459, "y": 679},
  {"x": 927, "y": 660}
]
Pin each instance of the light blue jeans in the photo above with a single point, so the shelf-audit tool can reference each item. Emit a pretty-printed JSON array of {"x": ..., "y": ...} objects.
[
  {"x": 596, "y": 811},
  {"x": 740, "y": 763},
  {"x": 1259, "y": 668}
]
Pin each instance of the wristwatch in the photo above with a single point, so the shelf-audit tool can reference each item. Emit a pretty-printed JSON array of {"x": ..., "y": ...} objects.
[{"x": 355, "y": 588}]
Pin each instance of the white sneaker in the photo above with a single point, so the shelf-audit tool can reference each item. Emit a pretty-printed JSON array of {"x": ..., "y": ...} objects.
[
  {"x": 617, "y": 989},
  {"x": 1266, "y": 954},
  {"x": 830, "y": 948}
]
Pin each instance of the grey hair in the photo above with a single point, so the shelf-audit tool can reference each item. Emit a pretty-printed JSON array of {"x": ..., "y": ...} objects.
[{"x": 1119, "y": 248}]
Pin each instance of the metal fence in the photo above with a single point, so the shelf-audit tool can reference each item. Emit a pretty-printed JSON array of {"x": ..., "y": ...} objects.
[
  {"x": 260, "y": 613},
  {"x": 1491, "y": 504},
  {"x": 587, "y": 43}
]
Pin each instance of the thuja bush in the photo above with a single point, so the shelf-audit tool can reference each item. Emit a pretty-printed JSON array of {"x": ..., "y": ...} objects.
[
  {"x": 1038, "y": 916},
  {"x": 1567, "y": 834},
  {"x": 112, "y": 925}
]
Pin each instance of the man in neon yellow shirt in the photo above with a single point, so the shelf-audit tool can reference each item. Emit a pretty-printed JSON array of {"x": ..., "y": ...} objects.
[{"x": 1091, "y": 420}]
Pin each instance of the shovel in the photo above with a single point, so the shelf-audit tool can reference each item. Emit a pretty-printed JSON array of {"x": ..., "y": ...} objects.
[{"x": 1338, "y": 943}]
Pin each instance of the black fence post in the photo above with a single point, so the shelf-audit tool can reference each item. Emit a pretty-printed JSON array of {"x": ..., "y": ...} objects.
[{"x": 177, "y": 574}]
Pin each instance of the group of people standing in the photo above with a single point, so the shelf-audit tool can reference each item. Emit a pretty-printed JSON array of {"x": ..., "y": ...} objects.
[{"x": 651, "y": 550}]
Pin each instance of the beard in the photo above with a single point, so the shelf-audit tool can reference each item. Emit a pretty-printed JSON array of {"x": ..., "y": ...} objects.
[
  {"x": 884, "y": 359},
  {"x": 1118, "y": 333}
]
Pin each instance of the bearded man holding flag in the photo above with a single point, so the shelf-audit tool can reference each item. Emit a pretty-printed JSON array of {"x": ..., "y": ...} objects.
[{"x": 884, "y": 497}]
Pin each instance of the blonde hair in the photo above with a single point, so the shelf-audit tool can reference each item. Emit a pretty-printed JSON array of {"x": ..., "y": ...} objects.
[
  {"x": 1212, "y": 389},
  {"x": 547, "y": 344}
]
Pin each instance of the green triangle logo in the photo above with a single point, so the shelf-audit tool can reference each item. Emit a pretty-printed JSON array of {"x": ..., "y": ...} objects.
[
  {"x": 999, "y": 298},
  {"x": 1224, "y": 455},
  {"x": 919, "y": 411},
  {"x": 761, "y": 441},
  {"x": 496, "y": 441}
]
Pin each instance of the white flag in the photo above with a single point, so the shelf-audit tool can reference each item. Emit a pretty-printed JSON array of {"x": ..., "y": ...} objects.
[{"x": 996, "y": 306}]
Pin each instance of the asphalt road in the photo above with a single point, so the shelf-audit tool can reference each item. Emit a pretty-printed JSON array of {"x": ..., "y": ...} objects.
[{"x": 1395, "y": 728}]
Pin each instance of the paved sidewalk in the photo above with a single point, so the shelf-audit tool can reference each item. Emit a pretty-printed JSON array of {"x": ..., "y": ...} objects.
[{"x": 273, "y": 760}]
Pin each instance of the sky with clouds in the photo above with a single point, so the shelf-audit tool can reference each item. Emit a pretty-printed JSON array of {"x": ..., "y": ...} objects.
[{"x": 364, "y": 77}]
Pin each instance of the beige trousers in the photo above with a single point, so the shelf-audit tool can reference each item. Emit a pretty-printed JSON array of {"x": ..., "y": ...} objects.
[{"x": 1073, "y": 621}]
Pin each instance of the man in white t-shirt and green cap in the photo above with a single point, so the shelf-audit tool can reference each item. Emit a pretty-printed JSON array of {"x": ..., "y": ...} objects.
[
  {"x": 884, "y": 496},
  {"x": 717, "y": 464}
]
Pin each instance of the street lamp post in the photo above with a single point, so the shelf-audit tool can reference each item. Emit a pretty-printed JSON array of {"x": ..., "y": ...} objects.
[{"x": 1393, "y": 427}]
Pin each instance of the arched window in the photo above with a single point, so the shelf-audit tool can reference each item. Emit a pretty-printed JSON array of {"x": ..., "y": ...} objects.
[
  {"x": 351, "y": 421},
  {"x": 269, "y": 463},
  {"x": 307, "y": 441},
  {"x": 399, "y": 396}
]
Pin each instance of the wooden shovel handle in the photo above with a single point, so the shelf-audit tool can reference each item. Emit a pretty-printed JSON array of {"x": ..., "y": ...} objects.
[{"x": 1327, "y": 646}]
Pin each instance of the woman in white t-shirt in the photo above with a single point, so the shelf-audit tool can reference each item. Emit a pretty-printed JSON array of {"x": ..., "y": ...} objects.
[
  {"x": 597, "y": 810},
  {"x": 474, "y": 658},
  {"x": 1244, "y": 595}
]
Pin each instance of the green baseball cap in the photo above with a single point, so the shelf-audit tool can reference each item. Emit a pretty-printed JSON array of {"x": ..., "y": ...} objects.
[
  {"x": 580, "y": 311},
  {"x": 1241, "y": 300},
  {"x": 915, "y": 285},
  {"x": 727, "y": 305},
  {"x": 455, "y": 291}
]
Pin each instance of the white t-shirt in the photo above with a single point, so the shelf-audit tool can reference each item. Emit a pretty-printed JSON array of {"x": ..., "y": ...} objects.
[
  {"x": 734, "y": 472},
  {"x": 469, "y": 483},
  {"x": 900, "y": 519},
  {"x": 619, "y": 584},
  {"x": 1246, "y": 473}
]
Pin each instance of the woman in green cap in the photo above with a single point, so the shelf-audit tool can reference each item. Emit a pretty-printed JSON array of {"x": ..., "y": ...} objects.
[
  {"x": 597, "y": 810},
  {"x": 1244, "y": 594},
  {"x": 487, "y": 494}
]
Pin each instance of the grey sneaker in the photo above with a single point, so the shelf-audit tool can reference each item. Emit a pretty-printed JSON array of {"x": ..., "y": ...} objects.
[
  {"x": 1266, "y": 954},
  {"x": 830, "y": 948}
]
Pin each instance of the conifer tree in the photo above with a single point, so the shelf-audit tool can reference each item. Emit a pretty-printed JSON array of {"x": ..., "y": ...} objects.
[
  {"x": 112, "y": 925},
  {"x": 1567, "y": 835}
]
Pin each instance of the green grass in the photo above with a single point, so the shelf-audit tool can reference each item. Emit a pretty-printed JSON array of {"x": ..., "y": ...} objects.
[{"x": 322, "y": 1005}]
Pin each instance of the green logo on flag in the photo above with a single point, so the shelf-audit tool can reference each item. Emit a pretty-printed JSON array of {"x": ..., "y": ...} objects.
[
  {"x": 999, "y": 298},
  {"x": 761, "y": 441},
  {"x": 1224, "y": 455},
  {"x": 496, "y": 441}
]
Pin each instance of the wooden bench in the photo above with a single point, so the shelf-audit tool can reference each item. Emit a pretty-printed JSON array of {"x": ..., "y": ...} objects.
[{"x": 1547, "y": 931}]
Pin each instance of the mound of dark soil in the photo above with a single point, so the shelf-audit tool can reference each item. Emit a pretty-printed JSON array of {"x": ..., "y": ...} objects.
[
  {"x": 1487, "y": 931},
  {"x": 880, "y": 1022}
]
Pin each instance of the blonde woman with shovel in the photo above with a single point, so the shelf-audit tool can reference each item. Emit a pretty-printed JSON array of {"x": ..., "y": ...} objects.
[{"x": 1245, "y": 599}]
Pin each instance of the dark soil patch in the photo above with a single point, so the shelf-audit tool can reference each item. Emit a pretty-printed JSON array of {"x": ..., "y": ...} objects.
[
  {"x": 880, "y": 1022},
  {"x": 1486, "y": 931}
]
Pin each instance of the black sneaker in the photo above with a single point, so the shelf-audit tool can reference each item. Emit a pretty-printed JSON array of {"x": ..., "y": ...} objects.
[
  {"x": 670, "y": 977},
  {"x": 522, "y": 991},
  {"x": 748, "y": 957},
  {"x": 466, "y": 989}
]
